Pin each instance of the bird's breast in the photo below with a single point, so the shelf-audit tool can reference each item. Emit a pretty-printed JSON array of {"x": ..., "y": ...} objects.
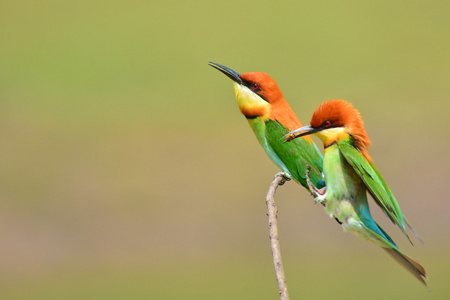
[{"x": 344, "y": 187}]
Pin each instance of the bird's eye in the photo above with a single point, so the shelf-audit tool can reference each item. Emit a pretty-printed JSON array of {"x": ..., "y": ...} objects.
[
  {"x": 327, "y": 124},
  {"x": 255, "y": 86}
]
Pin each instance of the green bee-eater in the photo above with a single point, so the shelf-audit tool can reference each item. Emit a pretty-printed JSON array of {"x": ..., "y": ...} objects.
[
  {"x": 349, "y": 173},
  {"x": 270, "y": 116}
]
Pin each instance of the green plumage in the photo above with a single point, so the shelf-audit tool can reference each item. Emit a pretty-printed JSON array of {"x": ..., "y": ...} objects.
[
  {"x": 374, "y": 183},
  {"x": 296, "y": 155},
  {"x": 261, "y": 101},
  {"x": 348, "y": 174},
  {"x": 292, "y": 158}
]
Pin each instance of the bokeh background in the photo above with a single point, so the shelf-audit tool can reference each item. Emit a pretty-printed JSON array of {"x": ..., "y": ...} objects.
[{"x": 127, "y": 171}]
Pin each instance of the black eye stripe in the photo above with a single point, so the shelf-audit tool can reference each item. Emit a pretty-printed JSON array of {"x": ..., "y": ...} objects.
[
  {"x": 327, "y": 124},
  {"x": 254, "y": 87}
]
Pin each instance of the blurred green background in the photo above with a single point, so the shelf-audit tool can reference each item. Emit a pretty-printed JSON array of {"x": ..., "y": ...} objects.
[{"x": 127, "y": 171}]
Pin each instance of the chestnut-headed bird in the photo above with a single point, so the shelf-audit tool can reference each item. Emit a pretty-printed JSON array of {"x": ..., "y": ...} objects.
[
  {"x": 349, "y": 172},
  {"x": 270, "y": 116}
]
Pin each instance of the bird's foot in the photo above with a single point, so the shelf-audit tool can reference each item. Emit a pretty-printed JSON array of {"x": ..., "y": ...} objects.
[
  {"x": 285, "y": 177},
  {"x": 318, "y": 194},
  {"x": 320, "y": 198}
]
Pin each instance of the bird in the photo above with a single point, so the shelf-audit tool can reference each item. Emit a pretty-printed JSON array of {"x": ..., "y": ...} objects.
[
  {"x": 349, "y": 174},
  {"x": 262, "y": 103}
]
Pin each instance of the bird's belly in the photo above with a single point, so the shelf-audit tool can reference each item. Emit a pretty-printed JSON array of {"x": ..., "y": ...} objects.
[
  {"x": 341, "y": 210},
  {"x": 344, "y": 211}
]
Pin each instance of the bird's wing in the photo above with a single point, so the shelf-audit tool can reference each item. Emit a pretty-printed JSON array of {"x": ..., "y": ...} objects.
[
  {"x": 389, "y": 192},
  {"x": 375, "y": 184},
  {"x": 296, "y": 155}
]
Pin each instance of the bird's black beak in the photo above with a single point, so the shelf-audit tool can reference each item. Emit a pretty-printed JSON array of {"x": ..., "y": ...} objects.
[
  {"x": 227, "y": 71},
  {"x": 305, "y": 130}
]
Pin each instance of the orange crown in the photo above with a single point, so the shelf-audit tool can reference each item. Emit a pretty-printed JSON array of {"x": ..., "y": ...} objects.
[
  {"x": 342, "y": 114},
  {"x": 281, "y": 111}
]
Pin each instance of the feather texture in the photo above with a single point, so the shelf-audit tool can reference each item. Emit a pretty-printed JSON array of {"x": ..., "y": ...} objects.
[
  {"x": 271, "y": 117},
  {"x": 296, "y": 156},
  {"x": 349, "y": 173},
  {"x": 374, "y": 182}
]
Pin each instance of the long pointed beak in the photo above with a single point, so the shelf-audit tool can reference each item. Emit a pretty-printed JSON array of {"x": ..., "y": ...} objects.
[
  {"x": 227, "y": 71},
  {"x": 302, "y": 131}
]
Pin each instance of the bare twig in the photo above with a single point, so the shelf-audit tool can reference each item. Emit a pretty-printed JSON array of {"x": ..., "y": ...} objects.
[{"x": 273, "y": 234}]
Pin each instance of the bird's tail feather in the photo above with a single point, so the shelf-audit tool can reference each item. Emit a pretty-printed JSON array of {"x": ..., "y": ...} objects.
[{"x": 409, "y": 264}]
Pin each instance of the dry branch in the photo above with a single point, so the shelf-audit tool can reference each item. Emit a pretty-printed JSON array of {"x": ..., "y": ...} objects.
[{"x": 272, "y": 211}]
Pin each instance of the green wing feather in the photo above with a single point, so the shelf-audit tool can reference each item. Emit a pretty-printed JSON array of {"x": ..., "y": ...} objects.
[
  {"x": 389, "y": 192},
  {"x": 375, "y": 184},
  {"x": 296, "y": 155}
]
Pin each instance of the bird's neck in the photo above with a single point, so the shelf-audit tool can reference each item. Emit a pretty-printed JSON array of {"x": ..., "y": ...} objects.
[
  {"x": 332, "y": 136},
  {"x": 337, "y": 135},
  {"x": 282, "y": 112}
]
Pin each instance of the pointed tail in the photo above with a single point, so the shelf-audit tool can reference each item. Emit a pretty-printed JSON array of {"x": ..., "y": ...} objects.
[{"x": 409, "y": 264}]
